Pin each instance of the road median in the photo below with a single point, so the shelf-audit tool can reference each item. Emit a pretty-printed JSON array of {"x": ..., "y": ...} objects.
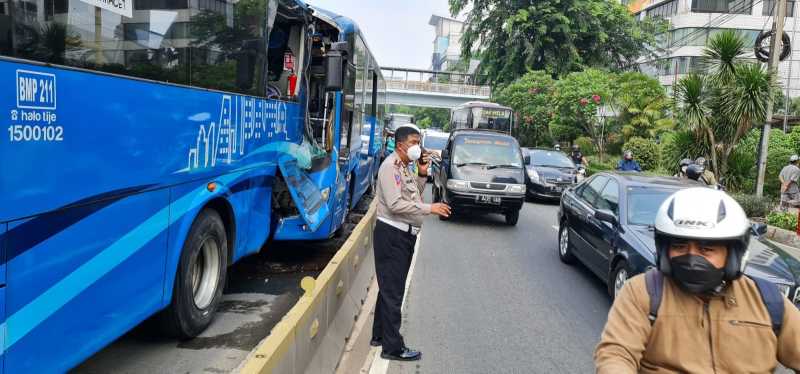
[{"x": 312, "y": 336}]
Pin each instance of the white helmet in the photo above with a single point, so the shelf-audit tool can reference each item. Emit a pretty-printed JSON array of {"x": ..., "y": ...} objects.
[{"x": 704, "y": 214}]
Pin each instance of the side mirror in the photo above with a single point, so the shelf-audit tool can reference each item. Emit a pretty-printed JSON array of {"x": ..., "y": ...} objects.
[
  {"x": 527, "y": 160},
  {"x": 759, "y": 229},
  {"x": 606, "y": 216},
  {"x": 334, "y": 66}
]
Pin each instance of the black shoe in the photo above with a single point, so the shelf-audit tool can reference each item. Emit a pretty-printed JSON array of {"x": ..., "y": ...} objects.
[
  {"x": 375, "y": 342},
  {"x": 403, "y": 355}
]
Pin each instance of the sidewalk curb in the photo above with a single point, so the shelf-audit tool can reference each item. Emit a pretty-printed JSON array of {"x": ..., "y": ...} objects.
[
  {"x": 357, "y": 351},
  {"x": 782, "y": 236}
]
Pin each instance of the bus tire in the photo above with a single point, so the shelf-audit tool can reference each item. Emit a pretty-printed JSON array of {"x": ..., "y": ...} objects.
[{"x": 200, "y": 278}]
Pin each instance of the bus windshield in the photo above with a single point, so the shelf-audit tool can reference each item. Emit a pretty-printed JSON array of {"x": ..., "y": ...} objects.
[
  {"x": 491, "y": 119},
  {"x": 434, "y": 142},
  {"x": 484, "y": 150}
]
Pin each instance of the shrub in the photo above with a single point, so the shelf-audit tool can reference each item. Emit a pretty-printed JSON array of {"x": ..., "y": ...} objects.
[
  {"x": 784, "y": 220},
  {"x": 645, "y": 151},
  {"x": 586, "y": 144},
  {"x": 595, "y": 166},
  {"x": 754, "y": 206},
  {"x": 679, "y": 145},
  {"x": 742, "y": 171}
]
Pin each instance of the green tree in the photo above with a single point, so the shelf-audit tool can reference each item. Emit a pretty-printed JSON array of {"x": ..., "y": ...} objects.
[
  {"x": 723, "y": 105},
  {"x": 642, "y": 104},
  {"x": 429, "y": 117},
  {"x": 558, "y": 36},
  {"x": 576, "y": 100},
  {"x": 529, "y": 96}
]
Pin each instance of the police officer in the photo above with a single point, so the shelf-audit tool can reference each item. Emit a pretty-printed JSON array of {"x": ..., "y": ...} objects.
[
  {"x": 401, "y": 182},
  {"x": 695, "y": 312}
]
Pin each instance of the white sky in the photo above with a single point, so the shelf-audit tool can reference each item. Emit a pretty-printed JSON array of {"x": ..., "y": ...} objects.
[{"x": 397, "y": 31}]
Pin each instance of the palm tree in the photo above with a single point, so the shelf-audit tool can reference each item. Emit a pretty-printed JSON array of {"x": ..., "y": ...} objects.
[
  {"x": 724, "y": 104},
  {"x": 691, "y": 94},
  {"x": 744, "y": 103}
]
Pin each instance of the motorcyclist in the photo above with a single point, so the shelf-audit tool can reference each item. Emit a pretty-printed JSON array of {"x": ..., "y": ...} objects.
[
  {"x": 708, "y": 176},
  {"x": 628, "y": 163},
  {"x": 707, "y": 317},
  {"x": 684, "y": 165},
  {"x": 577, "y": 156},
  {"x": 557, "y": 147}
]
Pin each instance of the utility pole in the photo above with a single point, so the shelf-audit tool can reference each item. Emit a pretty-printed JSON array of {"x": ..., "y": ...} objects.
[{"x": 775, "y": 48}]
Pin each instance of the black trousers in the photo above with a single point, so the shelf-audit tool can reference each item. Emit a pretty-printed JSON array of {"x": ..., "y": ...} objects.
[{"x": 393, "y": 251}]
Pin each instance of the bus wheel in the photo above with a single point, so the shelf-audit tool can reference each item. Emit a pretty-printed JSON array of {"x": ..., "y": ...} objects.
[{"x": 200, "y": 279}]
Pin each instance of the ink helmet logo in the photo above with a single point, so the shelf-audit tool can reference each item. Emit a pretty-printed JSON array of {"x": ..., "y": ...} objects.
[{"x": 694, "y": 224}]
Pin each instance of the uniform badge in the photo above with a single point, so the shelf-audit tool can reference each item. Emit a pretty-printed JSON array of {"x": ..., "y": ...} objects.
[{"x": 397, "y": 179}]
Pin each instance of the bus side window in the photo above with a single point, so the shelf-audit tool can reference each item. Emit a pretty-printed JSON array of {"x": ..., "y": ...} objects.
[{"x": 215, "y": 44}]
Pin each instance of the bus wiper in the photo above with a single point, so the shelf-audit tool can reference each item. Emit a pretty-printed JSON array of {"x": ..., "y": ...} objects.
[
  {"x": 505, "y": 166},
  {"x": 470, "y": 163}
]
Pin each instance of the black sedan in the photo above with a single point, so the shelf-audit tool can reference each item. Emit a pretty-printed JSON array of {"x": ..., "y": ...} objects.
[
  {"x": 548, "y": 172},
  {"x": 606, "y": 222}
]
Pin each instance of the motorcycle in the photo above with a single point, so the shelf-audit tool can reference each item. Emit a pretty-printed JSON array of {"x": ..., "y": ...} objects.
[{"x": 581, "y": 174}]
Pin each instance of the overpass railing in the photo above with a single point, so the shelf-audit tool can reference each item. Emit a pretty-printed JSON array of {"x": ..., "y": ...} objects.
[{"x": 429, "y": 81}]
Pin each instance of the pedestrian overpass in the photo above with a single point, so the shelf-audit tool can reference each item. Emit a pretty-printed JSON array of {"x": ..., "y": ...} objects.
[{"x": 432, "y": 89}]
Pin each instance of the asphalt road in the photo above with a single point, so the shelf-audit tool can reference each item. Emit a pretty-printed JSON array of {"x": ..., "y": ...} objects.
[
  {"x": 488, "y": 298},
  {"x": 259, "y": 291}
]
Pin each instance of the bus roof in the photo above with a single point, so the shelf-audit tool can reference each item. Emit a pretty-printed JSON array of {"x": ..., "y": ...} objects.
[
  {"x": 481, "y": 104},
  {"x": 346, "y": 25}
]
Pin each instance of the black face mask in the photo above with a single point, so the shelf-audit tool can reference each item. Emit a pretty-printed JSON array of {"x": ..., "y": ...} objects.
[{"x": 694, "y": 274}]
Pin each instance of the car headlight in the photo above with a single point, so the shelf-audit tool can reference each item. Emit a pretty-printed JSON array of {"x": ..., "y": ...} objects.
[
  {"x": 457, "y": 185},
  {"x": 533, "y": 175},
  {"x": 784, "y": 288},
  {"x": 516, "y": 188}
]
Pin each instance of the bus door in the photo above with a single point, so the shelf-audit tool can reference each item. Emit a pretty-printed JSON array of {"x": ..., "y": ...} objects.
[
  {"x": 3, "y": 229},
  {"x": 305, "y": 193}
]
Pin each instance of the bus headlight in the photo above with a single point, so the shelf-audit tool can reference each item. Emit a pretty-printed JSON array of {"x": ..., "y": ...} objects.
[
  {"x": 326, "y": 193},
  {"x": 516, "y": 188},
  {"x": 457, "y": 185}
]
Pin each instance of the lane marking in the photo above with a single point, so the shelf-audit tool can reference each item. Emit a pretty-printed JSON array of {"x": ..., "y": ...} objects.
[{"x": 381, "y": 365}]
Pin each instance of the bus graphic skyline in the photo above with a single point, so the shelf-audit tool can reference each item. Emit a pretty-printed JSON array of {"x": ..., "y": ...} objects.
[{"x": 242, "y": 122}]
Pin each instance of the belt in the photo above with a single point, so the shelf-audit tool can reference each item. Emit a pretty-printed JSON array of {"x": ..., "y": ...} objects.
[{"x": 402, "y": 226}]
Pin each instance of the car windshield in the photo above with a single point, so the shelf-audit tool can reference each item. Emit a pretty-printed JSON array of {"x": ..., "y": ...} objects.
[
  {"x": 550, "y": 158},
  {"x": 643, "y": 204},
  {"x": 434, "y": 142},
  {"x": 484, "y": 150}
]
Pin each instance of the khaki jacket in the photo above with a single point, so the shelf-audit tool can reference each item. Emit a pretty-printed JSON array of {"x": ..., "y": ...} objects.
[
  {"x": 728, "y": 334},
  {"x": 400, "y": 193}
]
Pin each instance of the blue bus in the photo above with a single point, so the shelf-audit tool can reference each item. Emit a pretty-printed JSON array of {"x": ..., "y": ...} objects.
[{"x": 152, "y": 143}]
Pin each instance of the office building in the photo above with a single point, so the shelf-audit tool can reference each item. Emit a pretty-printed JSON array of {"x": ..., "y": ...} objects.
[{"x": 693, "y": 22}]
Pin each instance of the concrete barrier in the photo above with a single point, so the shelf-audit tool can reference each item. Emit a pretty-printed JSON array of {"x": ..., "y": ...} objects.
[{"x": 312, "y": 335}]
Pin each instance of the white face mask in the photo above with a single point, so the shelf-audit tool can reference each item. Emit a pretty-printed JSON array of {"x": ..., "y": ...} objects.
[{"x": 414, "y": 152}]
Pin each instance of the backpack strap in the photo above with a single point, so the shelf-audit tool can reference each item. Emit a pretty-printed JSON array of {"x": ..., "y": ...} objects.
[
  {"x": 654, "y": 281},
  {"x": 773, "y": 300}
]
